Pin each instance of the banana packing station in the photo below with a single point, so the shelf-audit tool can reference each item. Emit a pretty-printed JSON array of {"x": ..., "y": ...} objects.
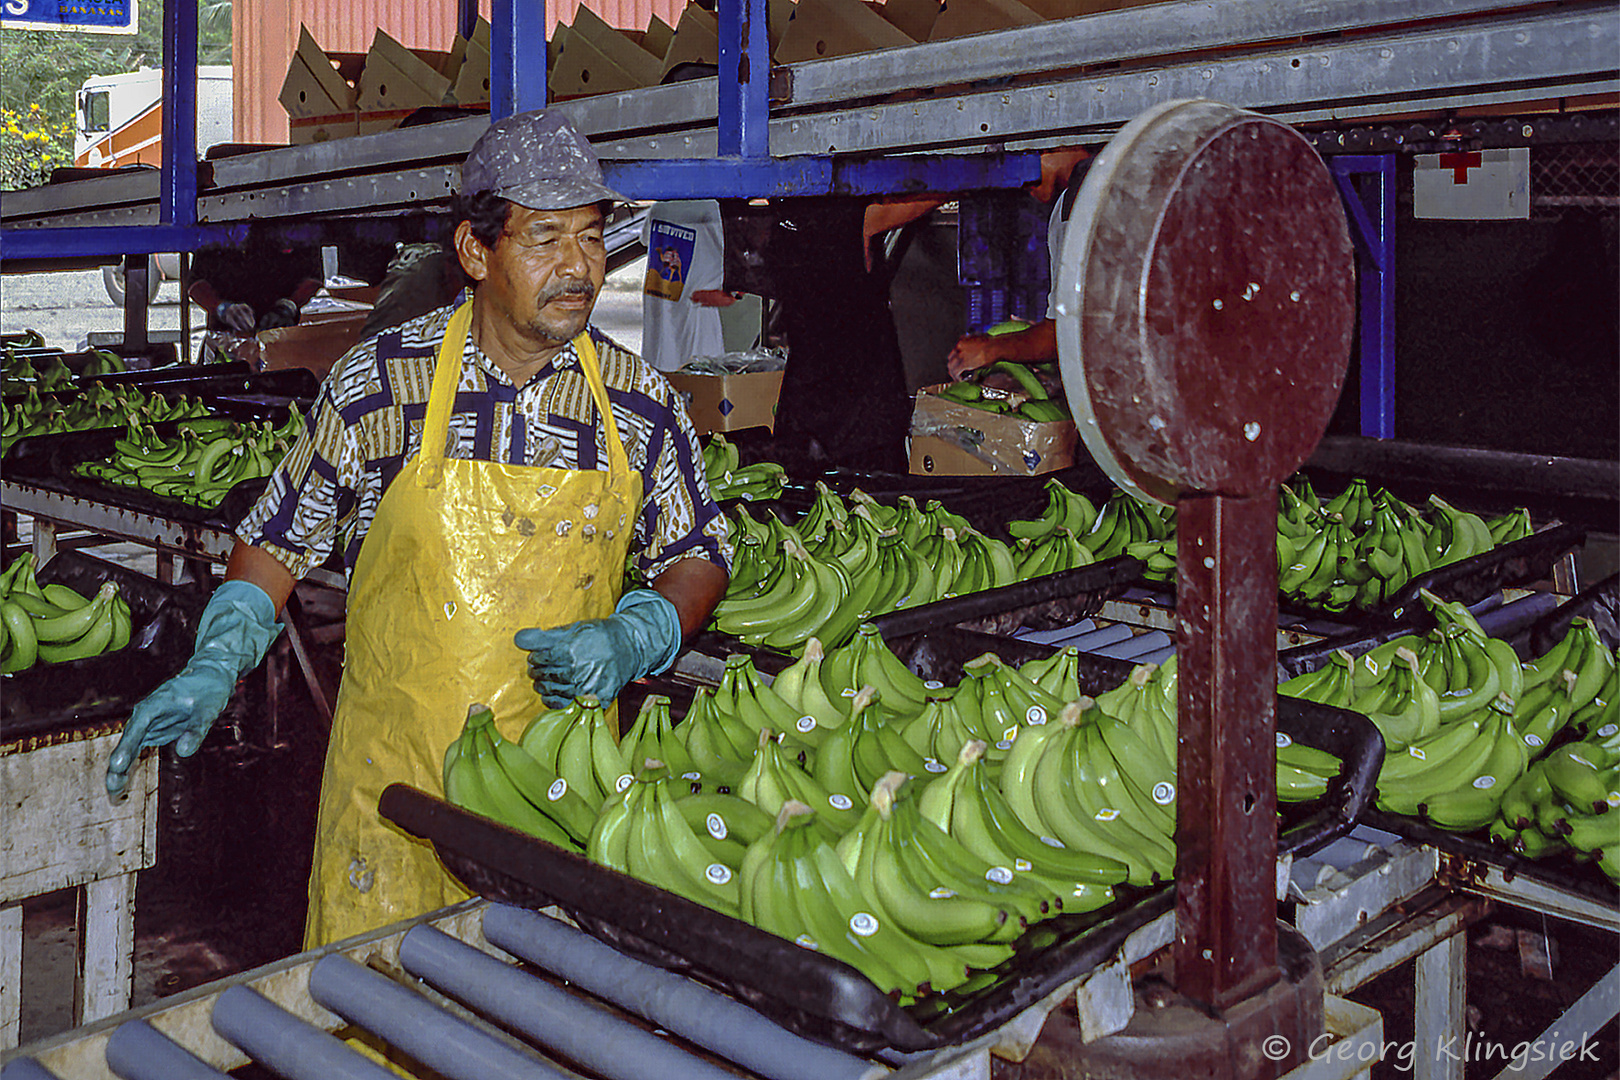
[{"x": 1102, "y": 565}]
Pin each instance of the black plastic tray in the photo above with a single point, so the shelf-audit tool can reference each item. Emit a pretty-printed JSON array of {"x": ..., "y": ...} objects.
[
  {"x": 1520, "y": 562},
  {"x": 1531, "y": 625},
  {"x": 1531, "y": 628},
  {"x": 1561, "y": 871},
  {"x": 812, "y": 994},
  {"x": 1042, "y": 603},
  {"x": 47, "y": 462},
  {"x": 56, "y": 697},
  {"x": 1351, "y": 737},
  {"x": 809, "y": 993}
]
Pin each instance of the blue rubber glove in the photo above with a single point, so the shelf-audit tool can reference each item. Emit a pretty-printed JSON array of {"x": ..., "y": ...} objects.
[
  {"x": 599, "y": 656},
  {"x": 236, "y": 629}
]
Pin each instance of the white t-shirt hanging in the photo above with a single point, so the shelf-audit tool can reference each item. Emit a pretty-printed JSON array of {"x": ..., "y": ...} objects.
[{"x": 685, "y": 254}]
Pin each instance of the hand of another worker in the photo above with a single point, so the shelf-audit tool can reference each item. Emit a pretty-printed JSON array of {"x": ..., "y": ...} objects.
[
  {"x": 971, "y": 353},
  {"x": 600, "y": 656},
  {"x": 236, "y": 628},
  {"x": 234, "y": 316},
  {"x": 282, "y": 313}
]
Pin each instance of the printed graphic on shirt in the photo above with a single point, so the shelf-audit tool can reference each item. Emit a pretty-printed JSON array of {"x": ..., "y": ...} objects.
[{"x": 669, "y": 256}]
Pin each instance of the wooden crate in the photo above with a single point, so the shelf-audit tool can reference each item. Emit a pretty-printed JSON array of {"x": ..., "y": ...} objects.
[{"x": 63, "y": 831}]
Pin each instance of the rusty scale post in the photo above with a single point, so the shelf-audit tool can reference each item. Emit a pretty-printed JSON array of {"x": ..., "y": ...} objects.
[
  {"x": 1205, "y": 301},
  {"x": 1226, "y": 831}
]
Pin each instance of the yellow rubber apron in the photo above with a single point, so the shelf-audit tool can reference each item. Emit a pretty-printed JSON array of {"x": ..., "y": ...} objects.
[{"x": 460, "y": 556}]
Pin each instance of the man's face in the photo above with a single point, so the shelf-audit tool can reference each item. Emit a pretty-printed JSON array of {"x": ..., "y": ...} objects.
[{"x": 544, "y": 272}]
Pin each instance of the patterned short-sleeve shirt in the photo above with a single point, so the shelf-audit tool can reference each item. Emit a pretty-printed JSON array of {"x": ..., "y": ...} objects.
[{"x": 367, "y": 422}]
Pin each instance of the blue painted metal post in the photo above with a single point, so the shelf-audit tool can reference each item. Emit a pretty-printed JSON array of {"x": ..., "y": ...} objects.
[
  {"x": 1367, "y": 184},
  {"x": 745, "y": 77},
  {"x": 517, "y": 57},
  {"x": 467, "y": 18},
  {"x": 178, "y": 201}
]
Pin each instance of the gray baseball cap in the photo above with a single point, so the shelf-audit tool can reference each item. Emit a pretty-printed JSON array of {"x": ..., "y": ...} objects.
[{"x": 539, "y": 160}]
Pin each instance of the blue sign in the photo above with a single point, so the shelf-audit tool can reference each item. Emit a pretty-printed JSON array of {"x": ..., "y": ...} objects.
[{"x": 95, "y": 16}]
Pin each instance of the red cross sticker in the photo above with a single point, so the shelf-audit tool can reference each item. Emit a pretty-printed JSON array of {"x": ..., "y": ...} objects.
[{"x": 1460, "y": 163}]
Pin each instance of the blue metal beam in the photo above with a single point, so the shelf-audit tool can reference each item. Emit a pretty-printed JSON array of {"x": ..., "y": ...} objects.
[
  {"x": 1367, "y": 184},
  {"x": 177, "y": 204},
  {"x": 744, "y": 115},
  {"x": 517, "y": 57},
  {"x": 466, "y": 17}
]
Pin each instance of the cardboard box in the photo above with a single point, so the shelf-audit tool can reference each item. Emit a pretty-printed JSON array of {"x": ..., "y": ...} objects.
[
  {"x": 315, "y": 345},
  {"x": 822, "y": 29},
  {"x": 729, "y": 402},
  {"x": 952, "y": 439}
]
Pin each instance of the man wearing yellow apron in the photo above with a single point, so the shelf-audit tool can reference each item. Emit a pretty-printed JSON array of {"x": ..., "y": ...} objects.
[{"x": 484, "y": 470}]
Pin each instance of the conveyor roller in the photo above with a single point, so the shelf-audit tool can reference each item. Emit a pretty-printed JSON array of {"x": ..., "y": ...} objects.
[
  {"x": 139, "y": 1051},
  {"x": 694, "y": 1012},
  {"x": 283, "y": 1043},
  {"x": 405, "y": 1019},
  {"x": 545, "y": 1014}
]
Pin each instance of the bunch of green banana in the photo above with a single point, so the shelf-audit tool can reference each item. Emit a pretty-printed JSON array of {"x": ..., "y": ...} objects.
[
  {"x": 53, "y": 624},
  {"x": 496, "y": 777},
  {"x": 744, "y": 698},
  {"x": 729, "y": 478},
  {"x": 1146, "y": 702},
  {"x": 928, "y": 884},
  {"x": 1064, "y": 509},
  {"x": 944, "y": 726},
  {"x": 1064, "y": 780},
  {"x": 724, "y": 824},
  {"x": 200, "y": 464},
  {"x": 1572, "y": 685},
  {"x": 967, "y": 803},
  {"x": 801, "y": 685},
  {"x": 642, "y": 831},
  {"x": 1025, "y": 396},
  {"x": 579, "y": 746},
  {"x": 786, "y": 608},
  {"x": 775, "y": 777},
  {"x": 1568, "y": 801},
  {"x": 1058, "y": 551},
  {"x": 103, "y": 362},
  {"x": 1511, "y": 526},
  {"x": 866, "y": 660},
  {"x": 653, "y": 735},
  {"x": 719, "y": 743},
  {"x": 1158, "y": 558},
  {"x": 1123, "y": 521},
  {"x": 794, "y": 884}
]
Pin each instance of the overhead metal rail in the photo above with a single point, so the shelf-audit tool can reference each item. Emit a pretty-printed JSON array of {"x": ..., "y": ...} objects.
[{"x": 1073, "y": 80}]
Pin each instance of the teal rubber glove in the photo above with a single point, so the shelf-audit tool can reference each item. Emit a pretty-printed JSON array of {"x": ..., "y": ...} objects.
[
  {"x": 236, "y": 629},
  {"x": 599, "y": 656}
]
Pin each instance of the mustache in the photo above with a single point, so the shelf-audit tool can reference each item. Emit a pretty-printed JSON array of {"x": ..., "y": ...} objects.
[{"x": 576, "y": 288}]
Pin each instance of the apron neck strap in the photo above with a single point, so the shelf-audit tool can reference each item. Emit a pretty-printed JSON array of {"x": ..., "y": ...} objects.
[{"x": 447, "y": 376}]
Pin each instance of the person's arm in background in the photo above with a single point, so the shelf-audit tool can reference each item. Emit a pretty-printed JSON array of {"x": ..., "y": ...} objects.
[
  {"x": 713, "y": 297},
  {"x": 1037, "y": 345},
  {"x": 882, "y": 216},
  {"x": 233, "y": 315}
]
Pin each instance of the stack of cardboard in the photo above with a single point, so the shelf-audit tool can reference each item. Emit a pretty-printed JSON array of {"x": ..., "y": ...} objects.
[
  {"x": 329, "y": 96},
  {"x": 335, "y": 95}
]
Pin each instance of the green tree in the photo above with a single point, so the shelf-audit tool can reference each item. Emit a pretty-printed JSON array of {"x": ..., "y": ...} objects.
[{"x": 44, "y": 70}]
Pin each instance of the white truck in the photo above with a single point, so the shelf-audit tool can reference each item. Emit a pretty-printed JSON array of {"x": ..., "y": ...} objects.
[{"x": 120, "y": 122}]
